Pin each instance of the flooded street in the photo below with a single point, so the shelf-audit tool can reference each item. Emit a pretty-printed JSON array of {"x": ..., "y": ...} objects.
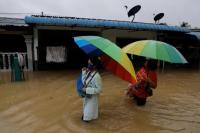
[{"x": 47, "y": 102}]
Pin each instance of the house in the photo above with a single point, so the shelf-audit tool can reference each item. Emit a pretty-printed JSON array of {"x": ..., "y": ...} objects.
[
  {"x": 15, "y": 36},
  {"x": 50, "y": 45}
]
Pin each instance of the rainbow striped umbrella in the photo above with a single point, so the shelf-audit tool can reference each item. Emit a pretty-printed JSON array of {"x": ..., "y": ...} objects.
[
  {"x": 112, "y": 57},
  {"x": 155, "y": 50}
]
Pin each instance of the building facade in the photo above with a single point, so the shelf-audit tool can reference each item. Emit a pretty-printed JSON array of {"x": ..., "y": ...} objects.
[
  {"x": 50, "y": 45},
  {"x": 15, "y": 37}
]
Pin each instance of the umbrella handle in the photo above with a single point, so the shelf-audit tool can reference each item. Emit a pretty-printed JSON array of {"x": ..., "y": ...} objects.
[{"x": 163, "y": 66}]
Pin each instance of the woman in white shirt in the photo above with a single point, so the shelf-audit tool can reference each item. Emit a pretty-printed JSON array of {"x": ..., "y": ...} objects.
[{"x": 93, "y": 86}]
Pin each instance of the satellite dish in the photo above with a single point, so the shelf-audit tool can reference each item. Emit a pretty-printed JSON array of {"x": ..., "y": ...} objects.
[
  {"x": 158, "y": 17},
  {"x": 133, "y": 11}
]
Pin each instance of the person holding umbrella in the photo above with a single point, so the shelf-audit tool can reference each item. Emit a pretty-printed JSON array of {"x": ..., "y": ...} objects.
[
  {"x": 92, "y": 87},
  {"x": 146, "y": 79},
  {"x": 112, "y": 58}
]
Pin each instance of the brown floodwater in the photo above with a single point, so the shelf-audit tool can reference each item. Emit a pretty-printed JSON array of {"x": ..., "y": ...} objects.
[{"x": 47, "y": 102}]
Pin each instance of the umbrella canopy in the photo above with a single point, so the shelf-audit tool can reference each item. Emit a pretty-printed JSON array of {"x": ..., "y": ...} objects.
[
  {"x": 155, "y": 50},
  {"x": 112, "y": 57}
]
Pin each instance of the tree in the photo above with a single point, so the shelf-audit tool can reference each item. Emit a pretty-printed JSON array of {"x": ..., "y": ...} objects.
[{"x": 185, "y": 24}]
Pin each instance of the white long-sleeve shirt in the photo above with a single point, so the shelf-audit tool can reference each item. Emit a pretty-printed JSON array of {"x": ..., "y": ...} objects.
[{"x": 94, "y": 87}]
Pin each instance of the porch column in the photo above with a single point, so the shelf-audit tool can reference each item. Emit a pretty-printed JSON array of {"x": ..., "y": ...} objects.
[
  {"x": 35, "y": 47},
  {"x": 28, "y": 41}
]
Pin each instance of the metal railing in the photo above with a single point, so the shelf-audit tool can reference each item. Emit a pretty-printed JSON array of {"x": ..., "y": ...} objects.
[{"x": 5, "y": 60}]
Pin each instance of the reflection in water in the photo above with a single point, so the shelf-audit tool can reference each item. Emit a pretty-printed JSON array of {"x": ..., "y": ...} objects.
[{"x": 48, "y": 102}]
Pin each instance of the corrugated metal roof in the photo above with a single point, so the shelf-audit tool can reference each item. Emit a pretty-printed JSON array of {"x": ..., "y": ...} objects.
[
  {"x": 84, "y": 22},
  {"x": 12, "y": 22}
]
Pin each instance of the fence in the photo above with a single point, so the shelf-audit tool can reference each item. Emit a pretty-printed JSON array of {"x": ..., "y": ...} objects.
[{"x": 5, "y": 60}]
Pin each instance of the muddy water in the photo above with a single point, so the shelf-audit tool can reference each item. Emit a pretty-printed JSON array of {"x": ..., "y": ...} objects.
[{"x": 48, "y": 103}]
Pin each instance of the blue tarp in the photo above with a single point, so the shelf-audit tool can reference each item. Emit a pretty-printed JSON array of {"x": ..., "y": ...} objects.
[
  {"x": 196, "y": 34},
  {"x": 84, "y": 22}
]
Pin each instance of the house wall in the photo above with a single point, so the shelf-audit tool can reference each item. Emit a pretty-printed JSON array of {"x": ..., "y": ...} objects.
[
  {"x": 57, "y": 36},
  {"x": 15, "y": 39},
  {"x": 119, "y": 36},
  {"x": 65, "y": 38},
  {"x": 114, "y": 34}
]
